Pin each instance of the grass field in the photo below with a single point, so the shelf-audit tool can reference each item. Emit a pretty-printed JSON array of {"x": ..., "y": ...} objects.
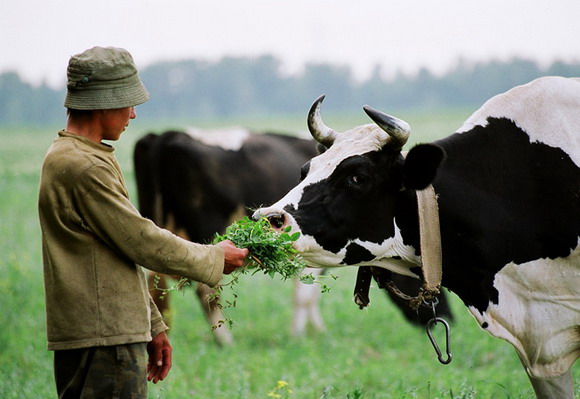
[{"x": 368, "y": 354}]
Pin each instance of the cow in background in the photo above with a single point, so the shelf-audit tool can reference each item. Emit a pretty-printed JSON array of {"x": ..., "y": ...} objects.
[
  {"x": 197, "y": 183},
  {"x": 508, "y": 187}
]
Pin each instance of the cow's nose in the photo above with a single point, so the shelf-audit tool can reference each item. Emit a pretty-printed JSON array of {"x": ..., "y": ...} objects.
[{"x": 277, "y": 220}]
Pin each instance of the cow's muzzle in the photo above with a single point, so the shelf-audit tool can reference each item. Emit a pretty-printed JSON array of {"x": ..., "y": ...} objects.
[{"x": 277, "y": 220}]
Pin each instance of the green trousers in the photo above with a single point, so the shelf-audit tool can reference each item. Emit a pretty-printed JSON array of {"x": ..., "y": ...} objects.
[{"x": 102, "y": 372}]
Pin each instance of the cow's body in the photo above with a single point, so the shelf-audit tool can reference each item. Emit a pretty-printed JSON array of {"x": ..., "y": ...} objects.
[
  {"x": 197, "y": 183},
  {"x": 508, "y": 186}
]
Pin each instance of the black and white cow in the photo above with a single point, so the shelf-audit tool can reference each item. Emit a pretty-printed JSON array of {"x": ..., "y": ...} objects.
[
  {"x": 198, "y": 182},
  {"x": 508, "y": 187}
]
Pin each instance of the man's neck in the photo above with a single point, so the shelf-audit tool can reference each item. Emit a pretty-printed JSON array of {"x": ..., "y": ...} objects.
[{"x": 87, "y": 126}]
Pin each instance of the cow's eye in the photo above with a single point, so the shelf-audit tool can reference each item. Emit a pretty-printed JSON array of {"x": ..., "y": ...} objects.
[{"x": 357, "y": 180}]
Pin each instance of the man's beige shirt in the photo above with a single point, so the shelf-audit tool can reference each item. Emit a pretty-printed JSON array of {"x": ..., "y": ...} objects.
[{"x": 93, "y": 241}]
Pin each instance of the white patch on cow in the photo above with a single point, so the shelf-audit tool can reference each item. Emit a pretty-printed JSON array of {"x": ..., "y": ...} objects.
[
  {"x": 303, "y": 134},
  {"x": 357, "y": 141},
  {"x": 383, "y": 253},
  {"x": 538, "y": 313},
  {"x": 546, "y": 109},
  {"x": 227, "y": 138},
  {"x": 312, "y": 253}
]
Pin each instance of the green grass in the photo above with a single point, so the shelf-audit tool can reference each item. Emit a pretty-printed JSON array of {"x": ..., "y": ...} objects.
[{"x": 370, "y": 354}]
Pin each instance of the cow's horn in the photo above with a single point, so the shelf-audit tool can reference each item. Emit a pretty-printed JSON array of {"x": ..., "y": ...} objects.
[
  {"x": 397, "y": 129},
  {"x": 321, "y": 133}
]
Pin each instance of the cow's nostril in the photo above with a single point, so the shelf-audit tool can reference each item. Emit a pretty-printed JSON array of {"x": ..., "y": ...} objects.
[{"x": 276, "y": 220}]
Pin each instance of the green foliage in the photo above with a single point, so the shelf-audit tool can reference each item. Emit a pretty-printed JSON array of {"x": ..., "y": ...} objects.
[
  {"x": 270, "y": 252},
  {"x": 18, "y": 98},
  {"x": 241, "y": 86}
]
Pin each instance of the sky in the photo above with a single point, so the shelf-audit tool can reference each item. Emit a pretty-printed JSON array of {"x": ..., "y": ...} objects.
[{"x": 37, "y": 37}]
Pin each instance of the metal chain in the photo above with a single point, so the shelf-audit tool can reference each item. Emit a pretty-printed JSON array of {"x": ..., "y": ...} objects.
[{"x": 427, "y": 299}]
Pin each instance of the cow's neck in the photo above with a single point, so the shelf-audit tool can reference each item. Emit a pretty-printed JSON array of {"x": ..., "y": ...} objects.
[{"x": 427, "y": 267}]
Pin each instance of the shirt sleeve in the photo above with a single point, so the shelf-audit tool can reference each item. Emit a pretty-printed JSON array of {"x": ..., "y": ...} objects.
[
  {"x": 108, "y": 214},
  {"x": 157, "y": 324}
]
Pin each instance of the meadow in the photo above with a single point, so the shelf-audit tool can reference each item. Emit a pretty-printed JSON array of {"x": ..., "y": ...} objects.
[{"x": 363, "y": 354}]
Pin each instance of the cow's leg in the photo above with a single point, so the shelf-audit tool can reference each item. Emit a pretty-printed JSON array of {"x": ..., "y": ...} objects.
[
  {"x": 158, "y": 282},
  {"x": 362, "y": 287},
  {"x": 306, "y": 305},
  {"x": 213, "y": 314},
  {"x": 561, "y": 387}
]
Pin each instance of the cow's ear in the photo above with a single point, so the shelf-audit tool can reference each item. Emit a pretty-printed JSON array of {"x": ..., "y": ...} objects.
[{"x": 421, "y": 164}]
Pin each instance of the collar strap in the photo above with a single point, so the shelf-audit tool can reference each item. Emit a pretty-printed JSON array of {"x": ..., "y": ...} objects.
[
  {"x": 430, "y": 235},
  {"x": 430, "y": 241}
]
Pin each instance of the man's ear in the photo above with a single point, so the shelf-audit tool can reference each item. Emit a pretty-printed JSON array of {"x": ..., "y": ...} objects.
[{"x": 421, "y": 164}]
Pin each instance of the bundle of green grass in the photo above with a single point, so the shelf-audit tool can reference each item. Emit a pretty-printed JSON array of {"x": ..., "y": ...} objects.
[{"x": 270, "y": 252}]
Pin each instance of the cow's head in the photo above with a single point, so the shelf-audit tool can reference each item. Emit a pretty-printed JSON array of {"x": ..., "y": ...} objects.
[{"x": 346, "y": 204}]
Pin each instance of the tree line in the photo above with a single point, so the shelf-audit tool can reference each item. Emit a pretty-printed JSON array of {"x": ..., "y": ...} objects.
[{"x": 235, "y": 86}]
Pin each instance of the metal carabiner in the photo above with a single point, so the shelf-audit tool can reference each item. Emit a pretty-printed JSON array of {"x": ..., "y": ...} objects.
[{"x": 431, "y": 323}]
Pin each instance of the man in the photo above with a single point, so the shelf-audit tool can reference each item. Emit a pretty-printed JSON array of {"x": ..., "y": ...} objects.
[{"x": 101, "y": 321}]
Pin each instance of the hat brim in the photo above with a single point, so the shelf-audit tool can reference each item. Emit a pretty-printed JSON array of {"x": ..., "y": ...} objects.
[{"x": 109, "y": 98}]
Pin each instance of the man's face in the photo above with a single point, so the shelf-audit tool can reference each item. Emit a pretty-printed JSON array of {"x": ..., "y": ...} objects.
[{"x": 114, "y": 122}]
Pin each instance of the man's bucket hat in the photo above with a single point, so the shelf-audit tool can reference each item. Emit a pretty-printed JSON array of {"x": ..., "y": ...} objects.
[{"x": 103, "y": 78}]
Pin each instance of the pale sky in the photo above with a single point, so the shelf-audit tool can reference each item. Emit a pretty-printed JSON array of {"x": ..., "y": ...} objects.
[{"x": 37, "y": 37}]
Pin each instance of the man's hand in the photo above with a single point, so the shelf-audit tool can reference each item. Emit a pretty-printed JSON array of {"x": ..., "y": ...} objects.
[
  {"x": 159, "y": 362},
  {"x": 233, "y": 256}
]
